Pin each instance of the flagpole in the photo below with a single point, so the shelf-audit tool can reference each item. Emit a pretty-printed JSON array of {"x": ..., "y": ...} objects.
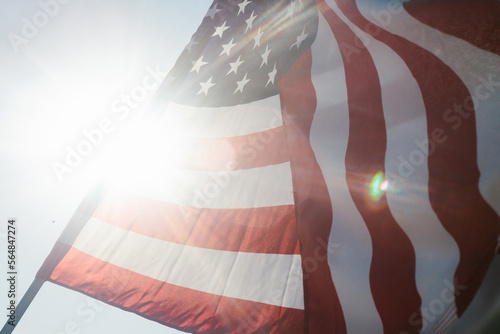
[
  {"x": 84, "y": 211},
  {"x": 23, "y": 305}
]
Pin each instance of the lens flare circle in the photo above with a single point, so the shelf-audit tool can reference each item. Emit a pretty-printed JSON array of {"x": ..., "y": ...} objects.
[{"x": 378, "y": 186}]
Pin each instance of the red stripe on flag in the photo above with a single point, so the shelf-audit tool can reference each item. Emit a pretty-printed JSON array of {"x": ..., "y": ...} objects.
[
  {"x": 256, "y": 230},
  {"x": 314, "y": 213},
  {"x": 392, "y": 272},
  {"x": 171, "y": 305},
  {"x": 259, "y": 149},
  {"x": 476, "y": 22},
  {"x": 453, "y": 171}
]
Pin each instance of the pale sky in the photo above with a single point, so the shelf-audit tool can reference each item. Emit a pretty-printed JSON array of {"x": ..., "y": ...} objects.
[{"x": 58, "y": 81}]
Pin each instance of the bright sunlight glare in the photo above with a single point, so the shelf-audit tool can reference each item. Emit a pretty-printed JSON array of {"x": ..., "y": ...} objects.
[
  {"x": 141, "y": 153},
  {"x": 60, "y": 87}
]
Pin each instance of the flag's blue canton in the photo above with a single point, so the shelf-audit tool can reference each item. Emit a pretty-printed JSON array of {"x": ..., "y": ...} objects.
[{"x": 239, "y": 51}]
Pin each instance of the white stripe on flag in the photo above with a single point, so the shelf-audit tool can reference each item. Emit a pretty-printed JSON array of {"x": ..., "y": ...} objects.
[
  {"x": 247, "y": 188},
  {"x": 208, "y": 122},
  {"x": 273, "y": 279},
  {"x": 350, "y": 248}
]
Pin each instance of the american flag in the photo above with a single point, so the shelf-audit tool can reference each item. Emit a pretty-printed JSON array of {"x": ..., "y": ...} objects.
[{"x": 316, "y": 167}]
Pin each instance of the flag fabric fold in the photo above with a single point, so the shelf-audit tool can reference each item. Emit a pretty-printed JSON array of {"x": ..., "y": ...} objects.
[{"x": 312, "y": 167}]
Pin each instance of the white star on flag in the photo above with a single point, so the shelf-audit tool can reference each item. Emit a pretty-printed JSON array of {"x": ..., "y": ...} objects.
[
  {"x": 212, "y": 11},
  {"x": 249, "y": 22},
  {"x": 205, "y": 86},
  {"x": 272, "y": 75},
  {"x": 296, "y": 5},
  {"x": 235, "y": 65},
  {"x": 265, "y": 56},
  {"x": 227, "y": 47},
  {"x": 242, "y": 6},
  {"x": 256, "y": 38},
  {"x": 220, "y": 30},
  {"x": 300, "y": 39},
  {"x": 198, "y": 64},
  {"x": 241, "y": 84}
]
